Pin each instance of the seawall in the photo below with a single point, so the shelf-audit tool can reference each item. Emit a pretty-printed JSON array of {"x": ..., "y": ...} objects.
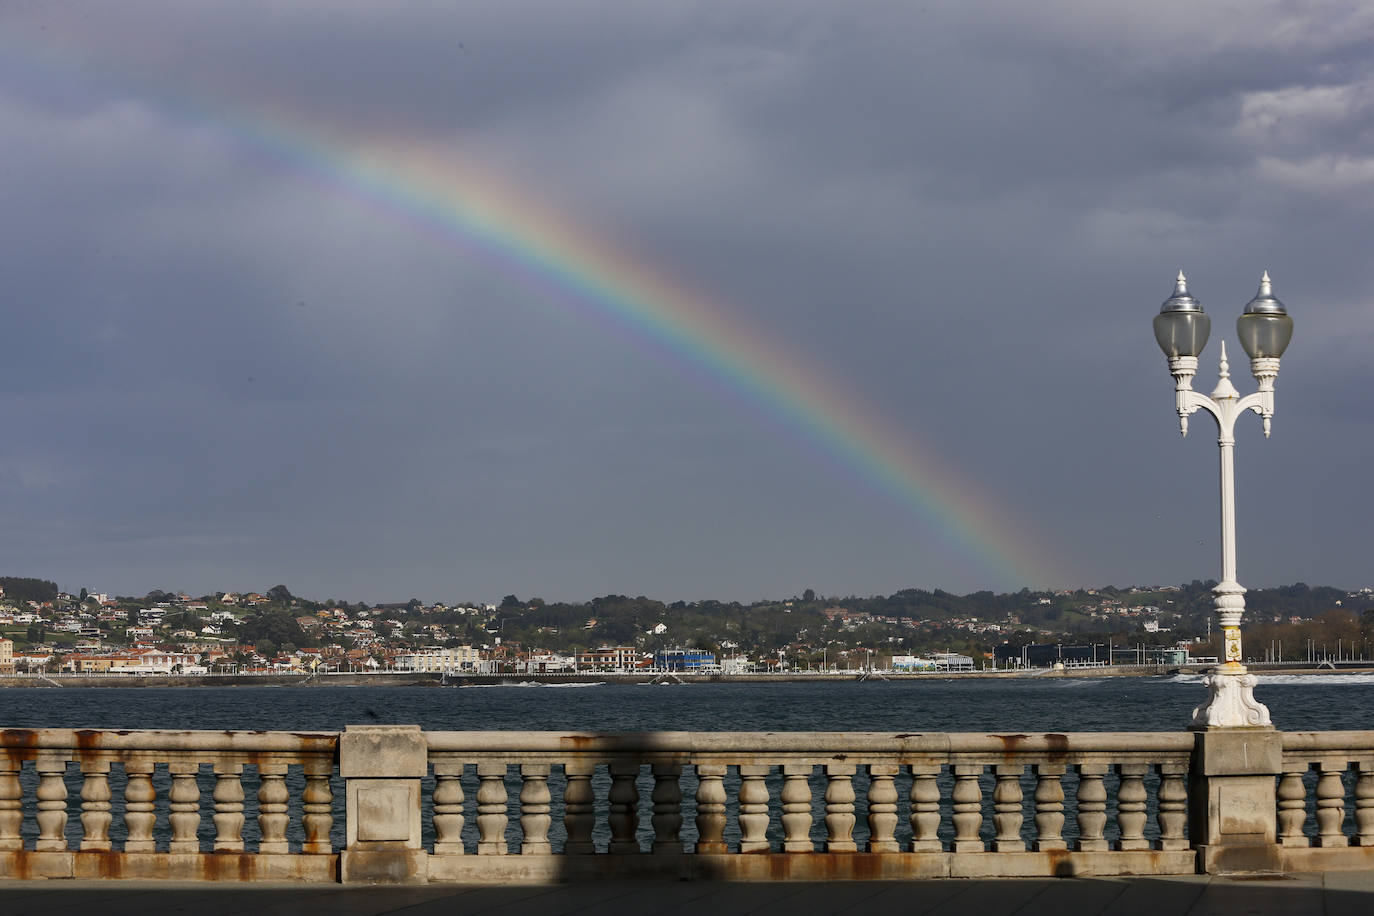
[{"x": 428, "y": 679}]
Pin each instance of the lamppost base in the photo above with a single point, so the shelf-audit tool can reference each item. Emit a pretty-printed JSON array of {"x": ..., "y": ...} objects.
[{"x": 1232, "y": 702}]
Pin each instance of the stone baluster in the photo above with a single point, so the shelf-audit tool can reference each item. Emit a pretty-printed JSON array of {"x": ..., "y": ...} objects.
[
  {"x": 1049, "y": 806},
  {"x": 317, "y": 807},
  {"x": 1092, "y": 807},
  {"x": 139, "y": 809},
  {"x": 1173, "y": 805},
  {"x": 796, "y": 807},
  {"x": 273, "y": 809},
  {"x": 448, "y": 809},
  {"x": 753, "y": 808},
  {"x": 1364, "y": 804},
  {"x": 710, "y": 808},
  {"x": 925, "y": 807},
  {"x": 624, "y": 799},
  {"x": 882, "y": 807},
  {"x": 1292, "y": 807},
  {"x": 667, "y": 799},
  {"x": 491, "y": 809},
  {"x": 11, "y": 806},
  {"x": 228, "y": 816},
  {"x": 1006, "y": 802},
  {"x": 967, "y": 799},
  {"x": 95, "y": 805},
  {"x": 1331, "y": 804},
  {"x": 534, "y": 810},
  {"x": 52, "y": 805},
  {"x": 839, "y": 807},
  {"x": 579, "y": 811},
  {"x": 1130, "y": 805},
  {"x": 184, "y": 802}
]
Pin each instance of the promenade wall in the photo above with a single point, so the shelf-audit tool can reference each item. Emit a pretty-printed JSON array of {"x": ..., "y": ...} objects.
[
  {"x": 396, "y": 804},
  {"x": 426, "y": 679}
]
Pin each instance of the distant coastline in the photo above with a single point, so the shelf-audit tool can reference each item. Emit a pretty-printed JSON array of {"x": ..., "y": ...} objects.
[{"x": 430, "y": 679}]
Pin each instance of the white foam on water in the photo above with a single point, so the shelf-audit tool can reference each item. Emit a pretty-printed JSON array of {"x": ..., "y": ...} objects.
[
  {"x": 1290, "y": 680},
  {"x": 1334, "y": 680}
]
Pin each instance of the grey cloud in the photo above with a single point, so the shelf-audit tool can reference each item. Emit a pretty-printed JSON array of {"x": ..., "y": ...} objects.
[{"x": 230, "y": 368}]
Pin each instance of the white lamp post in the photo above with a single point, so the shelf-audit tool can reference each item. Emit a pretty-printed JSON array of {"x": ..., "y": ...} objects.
[{"x": 1182, "y": 328}]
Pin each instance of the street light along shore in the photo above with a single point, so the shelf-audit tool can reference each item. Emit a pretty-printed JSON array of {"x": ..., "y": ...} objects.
[{"x": 1182, "y": 329}]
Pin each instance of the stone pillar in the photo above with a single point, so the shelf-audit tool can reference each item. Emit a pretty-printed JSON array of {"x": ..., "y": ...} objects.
[
  {"x": 1232, "y": 800},
  {"x": 382, "y": 766}
]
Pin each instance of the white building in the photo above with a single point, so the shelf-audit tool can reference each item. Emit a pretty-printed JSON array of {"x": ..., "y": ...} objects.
[
  {"x": 951, "y": 661},
  {"x": 437, "y": 659}
]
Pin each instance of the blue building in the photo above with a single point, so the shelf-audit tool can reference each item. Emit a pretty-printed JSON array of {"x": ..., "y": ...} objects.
[{"x": 684, "y": 659}]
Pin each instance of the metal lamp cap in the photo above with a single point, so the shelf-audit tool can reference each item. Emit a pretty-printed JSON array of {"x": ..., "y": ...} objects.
[
  {"x": 1265, "y": 303},
  {"x": 1181, "y": 301}
]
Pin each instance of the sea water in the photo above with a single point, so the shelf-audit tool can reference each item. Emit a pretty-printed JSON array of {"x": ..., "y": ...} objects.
[{"x": 1030, "y": 704}]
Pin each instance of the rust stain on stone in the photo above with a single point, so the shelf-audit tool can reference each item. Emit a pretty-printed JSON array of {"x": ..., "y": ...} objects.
[
  {"x": 87, "y": 741},
  {"x": 108, "y": 863},
  {"x": 18, "y": 743},
  {"x": 1011, "y": 745},
  {"x": 865, "y": 867}
]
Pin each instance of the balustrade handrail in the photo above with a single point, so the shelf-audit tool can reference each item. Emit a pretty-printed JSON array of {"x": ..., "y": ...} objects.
[
  {"x": 866, "y": 747},
  {"x": 82, "y": 744},
  {"x": 1353, "y": 742}
]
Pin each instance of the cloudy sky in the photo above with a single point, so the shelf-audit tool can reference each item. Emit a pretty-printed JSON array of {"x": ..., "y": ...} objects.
[{"x": 692, "y": 300}]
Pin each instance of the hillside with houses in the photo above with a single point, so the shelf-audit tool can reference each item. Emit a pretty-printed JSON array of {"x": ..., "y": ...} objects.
[{"x": 45, "y": 630}]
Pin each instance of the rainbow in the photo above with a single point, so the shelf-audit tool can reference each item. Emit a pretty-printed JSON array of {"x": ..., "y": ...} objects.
[{"x": 474, "y": 210}]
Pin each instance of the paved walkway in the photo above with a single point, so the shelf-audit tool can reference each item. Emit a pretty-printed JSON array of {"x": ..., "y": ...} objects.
[{"x": 1333, "y": 894}]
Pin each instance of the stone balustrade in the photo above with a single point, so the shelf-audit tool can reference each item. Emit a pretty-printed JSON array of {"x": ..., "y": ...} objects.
[
  {"x": 1326, "y": 799},
  {"x": 394, "y": 804},
  {"x": 167, "y": 781},
  {"x": 787, "y": 805}
]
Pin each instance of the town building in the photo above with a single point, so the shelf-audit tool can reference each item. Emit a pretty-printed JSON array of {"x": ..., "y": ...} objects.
[
  {"x": 609, "y": 658},
  {"x": 439, "y": 659},
  {"x": 912, "y": 663},
  {"x": 951, "y": 661},
  {"x": 679, "y": 659}
]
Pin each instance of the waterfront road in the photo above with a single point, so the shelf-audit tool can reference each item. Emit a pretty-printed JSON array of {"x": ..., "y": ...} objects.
[{"x": 1333, "y": 894}]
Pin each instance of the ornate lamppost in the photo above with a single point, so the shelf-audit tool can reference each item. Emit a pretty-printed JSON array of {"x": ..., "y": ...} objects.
[{"x": 1181, "y": 327}]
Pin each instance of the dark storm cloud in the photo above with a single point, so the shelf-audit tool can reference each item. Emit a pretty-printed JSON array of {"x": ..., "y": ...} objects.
[{"x": 227, "y": 371}]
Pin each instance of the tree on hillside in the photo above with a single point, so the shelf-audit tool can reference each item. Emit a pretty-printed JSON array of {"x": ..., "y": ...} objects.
[
  {"x": 21, "y": 589},
  {"x": 280, "y": 594},
  {"x": 274, "y": 624}
]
